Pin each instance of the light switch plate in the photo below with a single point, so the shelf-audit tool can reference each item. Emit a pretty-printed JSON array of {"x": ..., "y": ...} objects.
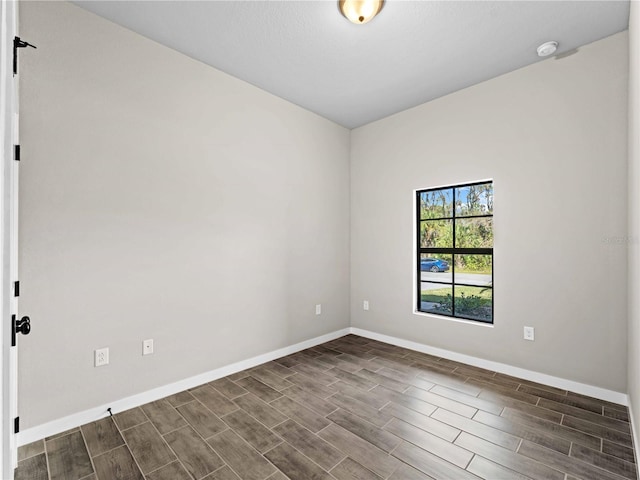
[{"x": 147, "y": 347}]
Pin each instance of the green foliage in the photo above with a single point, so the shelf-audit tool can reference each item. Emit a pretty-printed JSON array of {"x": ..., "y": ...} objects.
[
  {"x": 469, "y": 302},
  {"x": 470, "y": 233},
  {"x": 468, "y": 305}
]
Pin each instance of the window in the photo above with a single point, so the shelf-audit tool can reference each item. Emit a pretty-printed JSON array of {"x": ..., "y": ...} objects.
[{"x": 455, "y": 251}]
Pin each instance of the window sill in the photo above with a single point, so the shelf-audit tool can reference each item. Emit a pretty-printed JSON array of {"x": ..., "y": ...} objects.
[{"x": 453, "y": 319}]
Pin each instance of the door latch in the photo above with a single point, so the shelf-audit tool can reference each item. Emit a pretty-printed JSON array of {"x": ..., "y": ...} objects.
[{"x": 22, "y": 326}]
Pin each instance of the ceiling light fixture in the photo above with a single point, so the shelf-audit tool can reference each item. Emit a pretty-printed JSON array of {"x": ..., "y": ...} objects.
[
  {"x": 548, "y": 48},
  {"x": 360, "y": 11}
]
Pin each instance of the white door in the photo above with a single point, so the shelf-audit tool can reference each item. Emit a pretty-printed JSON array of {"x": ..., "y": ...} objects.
[{"x": 9, "y": 239}]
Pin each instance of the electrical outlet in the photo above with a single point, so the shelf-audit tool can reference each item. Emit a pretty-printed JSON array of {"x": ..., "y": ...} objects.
[
  {"x": 365, "y": 305},
  {"x": 529, "y": 333},
  {"x": 147, "y": 347},
  {"x": 318, "y": 309},
  {"x": 101, "y": 357}
]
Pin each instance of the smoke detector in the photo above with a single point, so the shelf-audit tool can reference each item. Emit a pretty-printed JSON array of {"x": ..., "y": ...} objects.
[{"x": 547, "y": 48}]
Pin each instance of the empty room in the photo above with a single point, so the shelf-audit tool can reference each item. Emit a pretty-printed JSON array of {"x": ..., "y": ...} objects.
[{"x": 309, "y": 240}]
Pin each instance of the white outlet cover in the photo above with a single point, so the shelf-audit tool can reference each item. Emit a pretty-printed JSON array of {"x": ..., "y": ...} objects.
[
  {"x": 529, "y": 333},
  {"x": 365, "y": 305},
  {"x": 101, "y": 357},
  {"x": 318, "y": 309}
]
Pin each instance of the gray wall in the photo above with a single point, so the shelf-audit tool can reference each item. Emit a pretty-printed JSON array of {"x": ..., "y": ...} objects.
[
  {"x": 553, "y": 137},
  {"x": 161, "y": 198},
  {"x": 634, "y": 220}
]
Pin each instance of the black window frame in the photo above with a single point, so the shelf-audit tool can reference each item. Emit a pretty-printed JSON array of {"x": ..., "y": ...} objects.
[{"x": 452, "y": 251}]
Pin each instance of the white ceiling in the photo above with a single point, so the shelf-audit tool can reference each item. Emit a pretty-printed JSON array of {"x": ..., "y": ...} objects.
[{"x": 413, "y": 52}]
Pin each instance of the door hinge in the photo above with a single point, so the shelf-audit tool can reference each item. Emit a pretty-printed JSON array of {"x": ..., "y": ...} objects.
[
  {"x": 13, "y": 330},
  {"x": 16, "y": 425},
  {"x": 16, "y": 289},
  {"x": 16, "y": 153},
  {"x": 18, "y": 43}
]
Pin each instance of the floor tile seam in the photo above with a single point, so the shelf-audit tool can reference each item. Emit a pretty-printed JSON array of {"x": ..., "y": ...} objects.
[
  {"x": 160, "y": 467},
  {"x": 363, "y": 466},
  {"x": 630, "y": 445},
  {"x": 595, "y": 401},
  {"x": 426, "y": 451},
  {"x": 229, "y": 427},
  {"x": 109, "y": 451},
  {"x": 263, "y": 455},
  {"x": 592, "y": 422},
  {"x": 303, "y": 406},
  {"x": 193, "y": 399},
  {"x": 451, "y": 443},
  {"x": 249, "y": 391},
  {"x": 61, "y": 435},
  {"x": 175, "y": 454},
  {"x": 517, "y": 452},
  {"x": 579, "y": 408},
  {"x": 304, "y": 455},
  {"x": 564, "y": 427},
  {"x": 203, "y": 404},
  {"x": 46, "y": 457},
  {"x": 582, "y": 462},
  {"x": 225, "y": 465},
  {"x": 30, "y": 456},
  {"x": 86, "y": 446},
  {"x": 452, "y": 400},
  {"x": 618, "y": 419},
  {"x": 177, "y": 458},
  {"x": 481, "y": 424},
  {"x": 135, "y": 426},
  {"x": 206, "y": 408},
  {"x": 174, "y": 430},
  {"x": 135, "y": 460},
  {"x": 371, "y": 444},
  {"x": 606, "y": 455},
  {"x": 376, "y": 428}
]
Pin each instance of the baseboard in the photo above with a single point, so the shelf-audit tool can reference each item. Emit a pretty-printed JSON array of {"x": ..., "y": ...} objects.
[
  {"x": 60, "y": 425},
  {"x": 577, "y": 387}
]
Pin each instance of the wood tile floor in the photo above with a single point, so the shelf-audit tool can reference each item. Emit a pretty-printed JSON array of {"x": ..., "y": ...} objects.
[{"x": 350, "y": 409}]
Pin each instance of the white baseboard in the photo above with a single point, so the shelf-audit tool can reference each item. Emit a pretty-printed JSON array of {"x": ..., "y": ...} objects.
[
  {"x": 62, "y": 424},
  {"x": 577, "y": 387}
]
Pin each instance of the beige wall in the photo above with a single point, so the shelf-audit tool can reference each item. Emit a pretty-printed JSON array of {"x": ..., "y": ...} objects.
[
  {"x": 634, "y": 220},
  {"x": 553, "y": 138},
  {"x": 161, "y": 198}
]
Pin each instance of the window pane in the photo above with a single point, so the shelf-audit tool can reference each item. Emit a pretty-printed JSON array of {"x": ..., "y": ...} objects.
[
  {"x": 474, "y": 200},
  {"x": 435, "y": 267},
  {"x": 474, "y": 232},
  {"x": 436, "y": 204},
  {"x": 436, "y": 233},
  {"x": 435, "y": 298},
  {"x": 473, "y": 269},
  {"x": 474, "y": 303}
]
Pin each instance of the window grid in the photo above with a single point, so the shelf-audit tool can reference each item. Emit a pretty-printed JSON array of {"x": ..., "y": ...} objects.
[{"x": 453, "y": 251}]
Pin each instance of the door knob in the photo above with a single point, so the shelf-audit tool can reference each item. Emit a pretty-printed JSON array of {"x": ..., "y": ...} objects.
[{"x": 23, "y": 326}]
